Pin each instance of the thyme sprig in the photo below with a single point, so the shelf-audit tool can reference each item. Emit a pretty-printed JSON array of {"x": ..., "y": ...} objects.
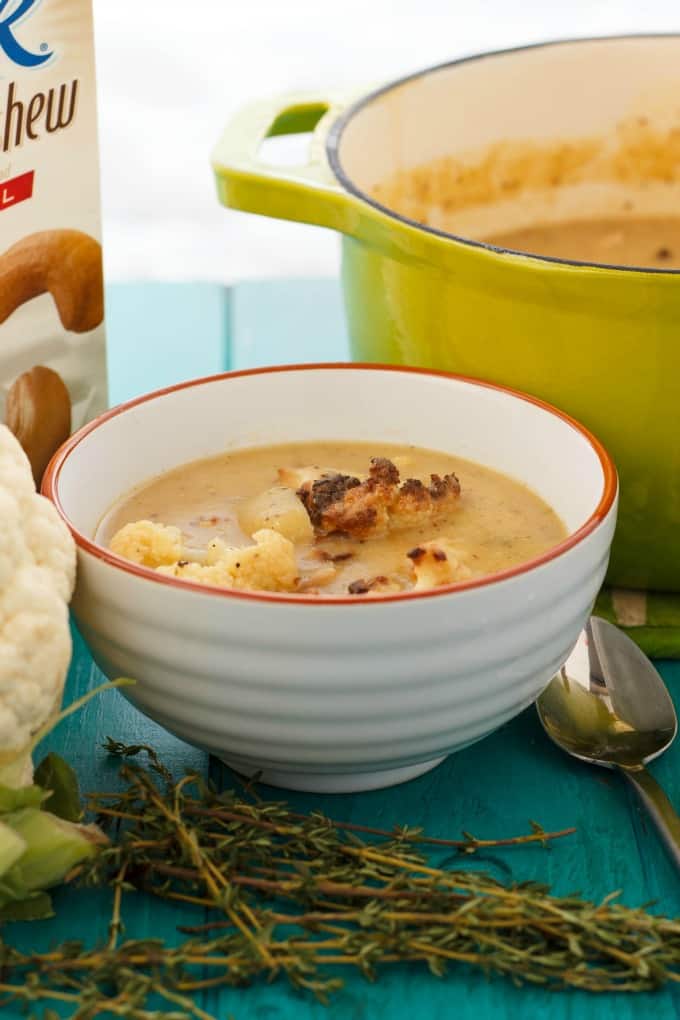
[{"x": 301, "y": 896}]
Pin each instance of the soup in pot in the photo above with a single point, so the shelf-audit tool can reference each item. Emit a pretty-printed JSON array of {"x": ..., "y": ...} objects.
[
  {"x": 652, "y": 242},
  {"x": 610, "y": 200},
  {"x": 330, "y": 518}
]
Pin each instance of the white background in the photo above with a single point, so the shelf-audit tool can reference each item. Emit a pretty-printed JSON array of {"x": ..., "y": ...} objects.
[{"x": 171, "y": 72}]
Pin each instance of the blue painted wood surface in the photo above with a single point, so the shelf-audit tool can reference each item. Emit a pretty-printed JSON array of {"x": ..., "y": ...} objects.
[{"x": 160, "y": 334}]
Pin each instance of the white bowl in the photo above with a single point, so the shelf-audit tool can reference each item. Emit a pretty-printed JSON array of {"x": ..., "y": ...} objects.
[{"x": 336, "y": 694}]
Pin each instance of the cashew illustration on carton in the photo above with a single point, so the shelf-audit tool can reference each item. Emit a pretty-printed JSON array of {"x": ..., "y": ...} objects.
[
  {"x": 68, "y": 265},
  {"x": 65, "y": 263},
  {"x": 38, "y": 412}
]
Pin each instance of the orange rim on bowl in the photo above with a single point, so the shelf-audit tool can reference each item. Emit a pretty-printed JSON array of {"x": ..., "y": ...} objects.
[{"x": 50, "y": 489}]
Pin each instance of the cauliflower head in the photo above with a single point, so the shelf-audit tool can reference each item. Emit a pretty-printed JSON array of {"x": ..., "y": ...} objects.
[
  {"x": 148, "y": 543},
  {"x": 37, "y": 575},
  {"x": 268, "y": 565}
]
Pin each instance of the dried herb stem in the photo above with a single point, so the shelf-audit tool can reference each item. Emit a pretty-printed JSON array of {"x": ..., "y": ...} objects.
[
  {"x": 295, "y": 895},
  {"x": 414, "y": 836},
  {"x": 116, "y": 925}
]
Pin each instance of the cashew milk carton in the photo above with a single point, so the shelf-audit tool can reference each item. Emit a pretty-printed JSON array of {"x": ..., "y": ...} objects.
[{"x": 52, "y": 347}]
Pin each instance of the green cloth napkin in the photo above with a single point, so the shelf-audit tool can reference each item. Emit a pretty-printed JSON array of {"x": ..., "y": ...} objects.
[{"x": 650, "y": 618}]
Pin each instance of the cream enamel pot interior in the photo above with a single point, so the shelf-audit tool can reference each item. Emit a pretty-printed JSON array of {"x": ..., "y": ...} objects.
[
  {"x": 336, "y": 694},
  {"x": 542, "y": 133}
]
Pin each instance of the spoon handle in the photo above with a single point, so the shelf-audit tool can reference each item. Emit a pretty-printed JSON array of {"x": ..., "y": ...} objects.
[{"x": 659, "y": 808}]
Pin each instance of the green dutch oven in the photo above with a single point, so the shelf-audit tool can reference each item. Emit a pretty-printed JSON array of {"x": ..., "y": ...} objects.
[{"x": 594, "y": 125}]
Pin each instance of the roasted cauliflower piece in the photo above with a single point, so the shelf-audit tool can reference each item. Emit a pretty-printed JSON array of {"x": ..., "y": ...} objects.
[
  {"x": 269, "y": 565},
  {"x": 417, "y": 504},
  {"x": 378, "y": 504},
  {"x": 148, "y": 543},
  {"x": 436, "y": 563},
  {"x": 341, "y": 503}
]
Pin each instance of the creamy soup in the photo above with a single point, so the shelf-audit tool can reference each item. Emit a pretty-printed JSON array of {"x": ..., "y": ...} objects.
[
  {"x": 652, "y": 242},
  {"x": 331, "y": 518}
]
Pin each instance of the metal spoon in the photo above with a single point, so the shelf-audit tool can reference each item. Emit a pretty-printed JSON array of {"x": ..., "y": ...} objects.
[{"x": 609, "y": 706}]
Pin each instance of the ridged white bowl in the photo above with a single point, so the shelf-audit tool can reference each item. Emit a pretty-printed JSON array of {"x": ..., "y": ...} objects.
[{"x": 336, "y": 694}]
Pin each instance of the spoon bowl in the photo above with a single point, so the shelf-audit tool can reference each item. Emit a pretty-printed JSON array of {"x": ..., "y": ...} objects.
[{"x": 608, "y": 706}]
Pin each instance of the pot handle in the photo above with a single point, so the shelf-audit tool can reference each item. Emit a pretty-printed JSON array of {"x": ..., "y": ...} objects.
[{"x": 308, "y": 193}]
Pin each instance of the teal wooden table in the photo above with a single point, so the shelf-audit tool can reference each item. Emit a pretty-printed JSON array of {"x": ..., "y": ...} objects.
[{"x": 160, "y": 334}]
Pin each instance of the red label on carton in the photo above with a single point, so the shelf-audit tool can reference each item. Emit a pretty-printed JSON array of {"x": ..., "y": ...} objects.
[{"x": 17, "y": 189}]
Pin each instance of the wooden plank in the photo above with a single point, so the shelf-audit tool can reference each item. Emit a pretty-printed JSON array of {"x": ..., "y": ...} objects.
[
  {"x": 161, "y": 333},
  {"x": 284, "y": 322}
]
